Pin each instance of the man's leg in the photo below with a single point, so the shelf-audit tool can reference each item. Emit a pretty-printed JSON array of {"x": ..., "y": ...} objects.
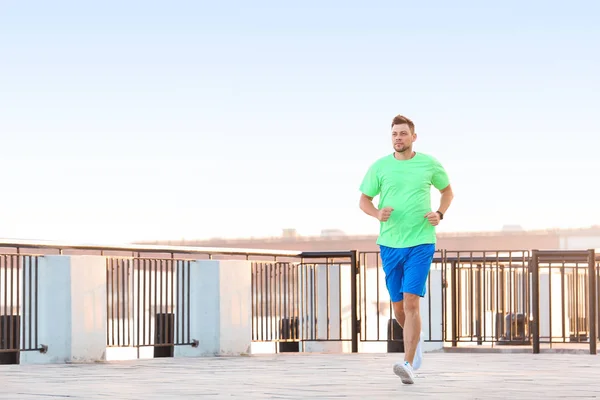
[
  {"x": 416, "y": 272},
  {"x": 399, "y": 312},
  {"x": 412, "y": 326}
]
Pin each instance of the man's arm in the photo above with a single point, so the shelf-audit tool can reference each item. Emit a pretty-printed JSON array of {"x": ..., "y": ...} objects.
[
  {"x": 446, "y": 200},
  {"x": 366, "y": 204}
]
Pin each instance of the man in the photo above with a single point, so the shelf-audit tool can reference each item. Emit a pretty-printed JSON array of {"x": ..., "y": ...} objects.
[{"x": 407, "y": 237}]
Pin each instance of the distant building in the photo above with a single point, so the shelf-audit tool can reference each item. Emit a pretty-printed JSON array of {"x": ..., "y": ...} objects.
[{"x": 512, "y": 238}]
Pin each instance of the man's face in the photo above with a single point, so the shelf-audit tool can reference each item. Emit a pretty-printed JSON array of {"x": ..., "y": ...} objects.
[{"x": 402, "y": 138}]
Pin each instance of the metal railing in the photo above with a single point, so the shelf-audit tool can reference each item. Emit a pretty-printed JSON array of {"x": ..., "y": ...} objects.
[
  {"x": 142, "y": 251},
  {"x": 148, "y": 302},
  {"x": 522, "y": 298},
  {"x": 19, "y": 318},
  {"x": 565, "y": 298},
  {"x": 489, "y": 297},
  {"x": 311, "y": 299}
]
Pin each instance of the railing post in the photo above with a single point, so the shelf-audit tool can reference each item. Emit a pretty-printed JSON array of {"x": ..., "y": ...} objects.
[
  {"x": 535, "y": 301},
  {"x": 592, "y": 299},
  {"x": 353, "y": 300},
  {"x": 454, "y": 294}
]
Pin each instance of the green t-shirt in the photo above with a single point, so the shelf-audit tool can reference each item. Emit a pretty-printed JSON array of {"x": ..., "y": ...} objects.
[{"x": 405, "y": 185}]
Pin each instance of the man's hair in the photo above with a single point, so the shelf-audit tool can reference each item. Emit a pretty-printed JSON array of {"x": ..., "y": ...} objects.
[{"x": 401, "y": 119}]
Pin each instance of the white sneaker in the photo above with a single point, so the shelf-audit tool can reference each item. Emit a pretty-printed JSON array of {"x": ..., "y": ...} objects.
[
  {"x": 418, "y": 354},
  {"x": 404, "y": 370}
]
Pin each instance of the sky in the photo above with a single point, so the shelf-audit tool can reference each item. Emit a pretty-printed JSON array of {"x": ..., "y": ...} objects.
[{"x": 133, "y": 120}]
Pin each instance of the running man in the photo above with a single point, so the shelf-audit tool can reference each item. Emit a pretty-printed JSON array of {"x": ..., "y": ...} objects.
[{"x": 407, "y": 236}]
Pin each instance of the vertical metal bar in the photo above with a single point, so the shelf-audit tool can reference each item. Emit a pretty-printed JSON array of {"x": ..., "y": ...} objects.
[
  {"x": 118, "y": 304},
  {"x": 460, "y": 300},
  {"x": 315, "y": 304},
  {"x": 23, "y": 267},
  {"x": 136, "y": 267},
  {"x": 562, "y": 302},
  {"x": 527, "y": 297},
  {"x": 253, "y": 297},
  {"x": 161, "y": 302},
  {"x": 454, "y": 296},
  {"x": 11, "y": 337},
  {"x": 188, "y": 314},
  {"x": 550, "y": 272},
  {"x": 340, "y": 308},
  {"x": 429, "y": 298},
  {"x": 108, "y": 316},
  {"x": 169, "y": 299},
  {"x": 124, "y": 298},
  {"x": 511, "y": 304},
  {"x": 289, "y": 300},
  {"x": 36, "y": 301},
  {"x": 278, "y": 295},
  {"x": 444, "y": 295},
  {"x": 328, "y": 296},
  {"x": 157, "y": 321},
  {"x": 597, "y": 273},
  {"x": 178, "y": 297},
  {"x": 353, "y": 301},
  {"x": 363, "y": 273},
  {"x": 129, "y": 297},
  {"x": 484, "y": 294},
  {"x": 478, "y": 305},
  {"x": 30, "y": 303},
  {"x": 173, "y": 269},
  {"x": 378, "y": 296},
  {"x": 4, "y": 322},
  {"x": 18, "y": 287},
  {"x": 576, "y": 284},
  {"x": 592, "y": 300},
  {"x": 272, "y": 300},
  {"x": 260, "y": 301},
  {"x": 145, "y": 300},
  {"x": 297, "y": 305},
  {"x": 535, "y": 280},
  {"x": 265, "y": 302},
  {"x": 472, "y": 294},
  {"x": 305, "y": 296}
]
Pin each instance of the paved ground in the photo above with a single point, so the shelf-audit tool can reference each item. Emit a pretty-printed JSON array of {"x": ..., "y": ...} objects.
[{"x": 312, "y": 376}]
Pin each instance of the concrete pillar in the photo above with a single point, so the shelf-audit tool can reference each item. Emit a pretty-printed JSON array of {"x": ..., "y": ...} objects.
[
  {"x": 71, "y": 309},
  {"x": 221, "y": 308}
]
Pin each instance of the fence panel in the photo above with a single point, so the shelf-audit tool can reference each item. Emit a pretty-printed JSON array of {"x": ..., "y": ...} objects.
[
  {"x": 565, "y": 298},
  {"x": 19, "y": 318},
  {"x": 299, "y": 304},
  {"x": 490, "y": 297},
  {"x": 148, "y": 302}
]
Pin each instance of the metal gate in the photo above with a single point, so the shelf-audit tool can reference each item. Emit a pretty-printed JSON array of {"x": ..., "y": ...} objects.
[
  {"x": 474, "y": 298},
  {"x": 306, "y": 303}
]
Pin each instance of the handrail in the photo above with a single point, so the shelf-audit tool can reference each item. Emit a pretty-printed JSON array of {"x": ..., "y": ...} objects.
[{"x": 144, "y": 248}]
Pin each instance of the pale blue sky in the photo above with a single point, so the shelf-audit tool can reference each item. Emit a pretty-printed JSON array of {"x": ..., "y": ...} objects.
[{"x": 137, "y": 120}]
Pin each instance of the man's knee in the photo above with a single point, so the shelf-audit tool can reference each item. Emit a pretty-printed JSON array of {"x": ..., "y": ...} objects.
[
  {"x": 411, "y": 303},
  {"x": 398, "y": 308}
]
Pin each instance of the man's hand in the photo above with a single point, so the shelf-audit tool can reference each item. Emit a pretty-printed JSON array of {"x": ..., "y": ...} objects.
[
  {"x": 384, "y": 214},
  {"x": 433, "y": 218}
]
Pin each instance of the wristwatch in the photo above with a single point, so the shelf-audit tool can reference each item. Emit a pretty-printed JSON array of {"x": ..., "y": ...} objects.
[{"x": 440, "y": 214}]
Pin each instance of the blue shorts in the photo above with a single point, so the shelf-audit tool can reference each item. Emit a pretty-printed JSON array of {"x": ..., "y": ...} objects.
[{"x": 406, "y": 270}]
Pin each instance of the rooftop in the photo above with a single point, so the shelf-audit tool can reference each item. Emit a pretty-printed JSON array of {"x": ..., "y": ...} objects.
[{"x": 312, "y": 376}]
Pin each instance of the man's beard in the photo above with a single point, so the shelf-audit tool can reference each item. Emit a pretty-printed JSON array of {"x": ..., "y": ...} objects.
[{"x": 402, "y": 149}]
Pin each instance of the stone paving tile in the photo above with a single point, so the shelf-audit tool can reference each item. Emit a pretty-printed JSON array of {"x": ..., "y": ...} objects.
[{"x": 311, "y": 376}]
